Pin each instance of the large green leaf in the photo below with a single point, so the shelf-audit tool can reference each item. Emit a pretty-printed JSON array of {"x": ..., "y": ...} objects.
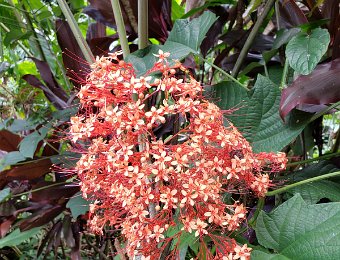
[
  {"x": 296, "y": 229},
  {"x": 78, "y": 205},
  {"x": 29, "y": 144},
  {"x": 16, "y": 237},
  {"x": 184, "y": 39},
  {"x": 315, "y": 191},
  {"x": 305, "y": 50},
  {"x": 258, "y": 117},
  {"x": 190, "y": 34}
]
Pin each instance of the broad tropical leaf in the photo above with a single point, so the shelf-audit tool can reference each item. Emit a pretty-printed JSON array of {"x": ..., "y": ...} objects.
[
  {"x": 321, "y": 87},
  {"x": 305, "y": 50},
  {"x": 297, "y": 229}
]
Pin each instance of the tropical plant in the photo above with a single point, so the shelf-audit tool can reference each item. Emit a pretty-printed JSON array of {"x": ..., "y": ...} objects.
[{"x": 271, "y": 68}]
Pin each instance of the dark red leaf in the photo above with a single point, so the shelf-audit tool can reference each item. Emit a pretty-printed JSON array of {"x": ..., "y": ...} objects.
[
  {"x": 59, "y": 193},
  {"x": 73, "y": 58},
  {"x": 212, "y": 35},
  {"x": 95, "y": 30},
  {"x": 330, "y": 10},
  {"x": 5, "y": 225},
  {"x": 7, "y": 209},
  {"x": 28, "y": 171},
  {"x": 336, "y": 42},
  {"x": 41, "y": 217},
  {"x": 53, "y": 98},
  {"x": 67, "y": 231},
  {"x": 291, "y": 14},
  {"x": 159, "y": 13},
  {"x": 8, "y": 141},
  {"x": 47, "y": 76},
  {"x": 101, "y": 11},
  {"x": 75, "y": 252},
  {"x": 322, "y": 86}
]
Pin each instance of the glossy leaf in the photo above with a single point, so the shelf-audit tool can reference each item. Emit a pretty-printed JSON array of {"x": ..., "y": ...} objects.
[
  {"x": 29, "y": 144},
  {"x": 297, "y": 229},
  {"x": 185, "y": 38},
  {"x": 27, "y": 171},
  {"x": 304, "y": 51},
  {"x": 16, "y": 237},
  {"x": 78, "y": 205},
  {"x": 257, "y": 115},
  {"x": 73, "y": 58},
  {"x": 9, "y": 141},
  {"x": 4, "y": 194},
  {"x": 320, "y": 87},
  {"x": 11, "y": 158},
  {"x": 290, "y": 14},
  {"x": 53, "y": 98},
  {"x": 190, "y": 34}
]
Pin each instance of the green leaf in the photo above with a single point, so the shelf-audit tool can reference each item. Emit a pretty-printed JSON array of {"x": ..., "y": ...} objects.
[
  {"x": 27, "y": 67},
  {"x": 283, "y": 36},
  {"x": 315, "y": 191},
  {"x": 258, "y": 117},
  {"x": 297, "y": 229},
  {"x": 14, "y": 35},
  {"x": 304, "y": 51},
  {"x": 260, "y": 255},
  {"x": 16, "y": 237},
  {"x": 4, "y": 194},
  {"x": 253, "y": 5},
  {"x": 11, "y": 158},
  {"x": 190, "y": 34},
  {"x": 184, "y": 39},
  {"x": 143, "y": 60},
  {"x": 78, "y": 205},
  {"x": 29, "y": 144},
  {"x": 177, "y": 11}
]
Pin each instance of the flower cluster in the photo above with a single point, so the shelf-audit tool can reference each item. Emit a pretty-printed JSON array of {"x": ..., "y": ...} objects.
[{"x": 150, "y": 187}]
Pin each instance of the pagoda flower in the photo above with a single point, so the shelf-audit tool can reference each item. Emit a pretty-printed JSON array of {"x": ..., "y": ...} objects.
[{"x": 154, "y": 189}]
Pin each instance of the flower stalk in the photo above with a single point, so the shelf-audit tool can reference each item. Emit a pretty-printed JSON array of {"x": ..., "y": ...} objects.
[{"x": 117, "y": 12}]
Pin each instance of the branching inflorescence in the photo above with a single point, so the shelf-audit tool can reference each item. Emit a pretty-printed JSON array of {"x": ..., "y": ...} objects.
[{"x": 148, "y": 186}]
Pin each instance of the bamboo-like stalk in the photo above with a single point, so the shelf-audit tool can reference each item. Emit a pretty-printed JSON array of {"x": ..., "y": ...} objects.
[
  {"x": 117, "y": 12},
  {"x": 288, "y": 187},
  {"x": 143, "y": 31},
  {"x": 76, "y": 31},
  {"x": 251, "y": 38}
]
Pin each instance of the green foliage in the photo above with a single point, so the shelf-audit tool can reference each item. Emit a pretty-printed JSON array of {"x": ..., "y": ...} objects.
[
  {"x": 305, "y": 50},
  {"x": 184, "y": 39},
  {"x": 257, "y": 114},
  {"x": 16, "y": 237},
  {"x": 298, "y": 229},
  {"x": 5, "y": 193},
  {"x": 78, "y": 205}
]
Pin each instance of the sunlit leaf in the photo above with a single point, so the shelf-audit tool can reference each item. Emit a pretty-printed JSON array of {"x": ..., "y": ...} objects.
[{"x": 305, "y": 50}]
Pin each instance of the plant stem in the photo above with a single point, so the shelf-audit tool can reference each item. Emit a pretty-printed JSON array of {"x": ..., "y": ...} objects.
[
  {"x": 251, "y": 38},
  {"x": 117, "y": 12},
  {"x": 284, "y": 75},
  {"x": 38, "y": 189},
  {"x": 259, "y": 207},
  {"x": 326, "y": 156},
  {"x": 35, "y": 37},
  {"x": 224, "y": 73},
  {"x": 76, "y": 31},
  {"x": 318, "y": 178},
  {"x": 321, "y": 113},
  {"x": 7, "y": 30},
  {"x": 143, "y": 24}
]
